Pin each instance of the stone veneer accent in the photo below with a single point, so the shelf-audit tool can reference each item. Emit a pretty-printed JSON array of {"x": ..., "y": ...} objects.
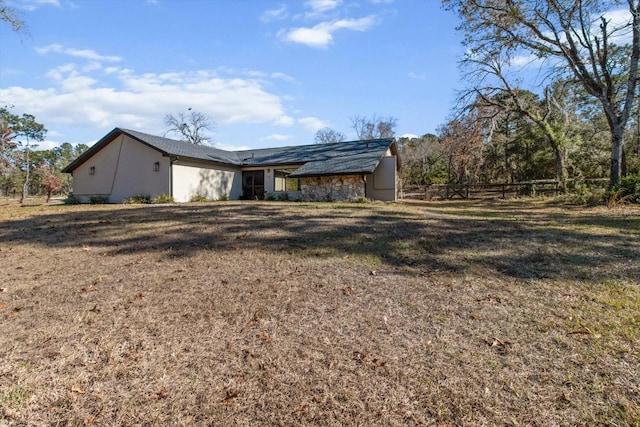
[{"x": 332, "y": 188}]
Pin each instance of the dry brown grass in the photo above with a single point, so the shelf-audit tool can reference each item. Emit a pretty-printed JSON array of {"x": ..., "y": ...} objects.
[{"x": 466, "y": 313}]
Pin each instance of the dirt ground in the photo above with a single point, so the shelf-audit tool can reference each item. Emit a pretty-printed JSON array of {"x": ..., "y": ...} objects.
[{"x": 523, "y": 313}]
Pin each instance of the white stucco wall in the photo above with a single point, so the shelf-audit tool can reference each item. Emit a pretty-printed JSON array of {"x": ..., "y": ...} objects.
[
  {"x": 123, "y": 168},
  {"x": 381, "y": 185},
  {"x": 192, "y": 178}
]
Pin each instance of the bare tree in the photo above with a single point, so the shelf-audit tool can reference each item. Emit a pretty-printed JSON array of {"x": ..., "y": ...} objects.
[
  {"x": 191, "y": 126},
  {"x": 10, "y": 16},
  {"x": 577, "y": 37},
  {"x": 328, "y": 135},
  {"x": 374, "y": 127},
  {"x": 495, "y": 94}
]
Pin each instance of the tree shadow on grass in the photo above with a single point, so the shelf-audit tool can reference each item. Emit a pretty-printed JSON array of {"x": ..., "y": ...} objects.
[{"x": 515, "y": 240}]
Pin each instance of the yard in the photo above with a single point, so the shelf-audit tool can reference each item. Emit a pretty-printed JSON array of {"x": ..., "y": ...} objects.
[{"x": 271, "y": 313}]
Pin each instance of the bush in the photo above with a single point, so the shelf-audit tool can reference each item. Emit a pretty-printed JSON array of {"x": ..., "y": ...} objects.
[
  {"x": 71, "y": 200},
  {"x": 138, "y": 199},
  {"x": 198, "y": 198},
  {"x": 163, "y": 198},
  {"x": 361, "y": 199},
  {"x": 628, "y": 191},
  {"x": 223, "y": 197},
  {"x": 270, "y": 196},
  {"x": 283, "y": 196},
  {"x": 98, "y": 200}
]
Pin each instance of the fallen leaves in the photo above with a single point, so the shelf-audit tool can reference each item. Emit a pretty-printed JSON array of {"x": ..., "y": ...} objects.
[
  {"x": 361, "y": 358},
  {"x": 162, "y": 393},
  {"x": 78, "y": 390},
  {"x": 263, "y": 336}
]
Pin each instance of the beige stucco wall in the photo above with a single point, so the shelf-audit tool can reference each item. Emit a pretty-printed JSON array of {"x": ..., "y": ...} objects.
[
  {"x": 192, "y": 178},
  {"x": 123, "y": 168},
  {"x": 381, "y": 185}
]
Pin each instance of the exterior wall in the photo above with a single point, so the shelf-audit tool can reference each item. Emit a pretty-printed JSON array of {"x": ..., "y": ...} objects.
[
  {"x": 332, "y": 188},
  {"x": 381, "y": 185},
  {"x": 123, "y": 168},
  {"x": 192, "y": 178}
]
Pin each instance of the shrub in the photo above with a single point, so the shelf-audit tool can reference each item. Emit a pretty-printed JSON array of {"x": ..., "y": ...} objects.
[
  {"x": 223, "y": 197},
  {"x": 163, "y": 198},
  {"x": 98, "y": 200},
  {"x": 270, "y": 196},
  {"x": 283, "y": 197},
  {"x": 138, "y": 199},
  {"x": 628, "y": 191},
  {"x": 71, "y": 200},
  {"x": 198, "y": 198},
  {"x": 361, "y": 199},
  {"x": 631, "y": 186}
]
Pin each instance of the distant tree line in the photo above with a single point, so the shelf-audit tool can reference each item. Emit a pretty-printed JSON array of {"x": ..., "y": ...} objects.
[{"x": 25, "y": 170}]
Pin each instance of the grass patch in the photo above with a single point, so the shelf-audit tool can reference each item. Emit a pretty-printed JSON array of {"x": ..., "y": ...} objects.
[{"x": 450, "y": 313}]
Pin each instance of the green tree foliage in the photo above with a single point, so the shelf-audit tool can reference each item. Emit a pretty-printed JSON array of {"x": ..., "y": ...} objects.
[
  {"x": 577, "y": 40},
  {"x": 17, "y": 157}
]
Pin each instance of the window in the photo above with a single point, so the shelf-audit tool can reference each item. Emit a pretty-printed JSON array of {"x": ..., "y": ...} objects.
[
  {"x": 92, "y": 170},
  {"x": 284, "y": 183},
  {"x": 156, "y": 166}
]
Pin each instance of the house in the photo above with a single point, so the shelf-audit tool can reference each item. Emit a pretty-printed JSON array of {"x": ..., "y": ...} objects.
[{"x": 125, "y": 163}]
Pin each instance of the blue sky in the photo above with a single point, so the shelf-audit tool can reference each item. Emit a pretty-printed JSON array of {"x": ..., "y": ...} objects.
[{"x": 269, "y": 73}]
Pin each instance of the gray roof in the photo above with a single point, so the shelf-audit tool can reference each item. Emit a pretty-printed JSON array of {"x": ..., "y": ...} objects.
[{"x": 338, "y": 158}]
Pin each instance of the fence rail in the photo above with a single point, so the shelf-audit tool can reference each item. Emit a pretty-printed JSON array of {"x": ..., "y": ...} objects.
[{"x": 488, "y": 191}]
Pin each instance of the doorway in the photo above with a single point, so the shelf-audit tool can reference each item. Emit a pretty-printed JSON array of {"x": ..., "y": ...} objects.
[{"x": 253, "y": 185}]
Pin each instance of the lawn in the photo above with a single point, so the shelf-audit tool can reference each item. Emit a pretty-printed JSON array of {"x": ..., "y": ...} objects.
[{"x": 270, "y": 313}]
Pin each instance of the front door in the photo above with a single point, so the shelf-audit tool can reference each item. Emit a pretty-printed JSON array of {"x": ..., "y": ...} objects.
[{"x": 253, "y": 185}]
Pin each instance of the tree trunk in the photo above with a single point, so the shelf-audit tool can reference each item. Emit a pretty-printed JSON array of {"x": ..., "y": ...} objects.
[
  {"x": 561, "y": 167},
  {"x": 616, "y": 156}
]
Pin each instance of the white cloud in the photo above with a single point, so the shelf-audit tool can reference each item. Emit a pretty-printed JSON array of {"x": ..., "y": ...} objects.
[
  {"x": 313, "y": 124},
  {"x": 32, "y": 5},
  {"x": 282, "y": 76},
  {"x": 277, "y": 137},
  {"x": 416, "y": 76},
  {"x": 283, "y": 120},
  {"x": 275, "y": 14},
  {"x": 525, "y": 61},
  {"x": 319, "y": 7},
  {"x": 141, "y": 101},
  {"x": 230, "y": 147},
  {"x": 321, "y": 35},
  {"x": 76, "y": 53},
  {"x": 617, "y": 19}
]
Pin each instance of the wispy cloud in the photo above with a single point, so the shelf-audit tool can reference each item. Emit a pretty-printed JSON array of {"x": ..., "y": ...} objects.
[
  {"x": 34, "y": 4},
  {"x": 275, "y": 14},
  {"x": 321, "y": 35},
  {"x": 313, "y": 124},
  {"x": 319, "y": 7},
  {"x": 76, "y": 53},
  {"x": 277, "y": 137}
]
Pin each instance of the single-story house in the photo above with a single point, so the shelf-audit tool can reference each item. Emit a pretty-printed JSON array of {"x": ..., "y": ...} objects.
[{"x": 125, "y": 163}]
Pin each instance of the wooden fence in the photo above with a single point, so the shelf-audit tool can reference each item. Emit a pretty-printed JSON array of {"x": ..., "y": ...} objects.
[{"x": 487, "y": 191}]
